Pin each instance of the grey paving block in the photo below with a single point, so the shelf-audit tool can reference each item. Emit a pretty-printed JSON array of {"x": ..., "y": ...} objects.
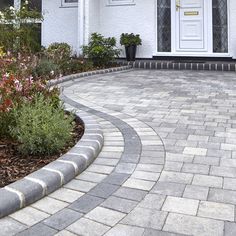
[
  {"x": 125, "y": 168},
  {"x": 11, "y": 202},
  {"x": 119, "y": 204},
  {"x": 86, "y": 203},
  {"x": 167, "y": 188},
  {"x": 67, "y": 170},
  {"x": 62, "y": 219},
  {"x": 139, "y": 184},
  {"x": 130, "y": 158},
  {"x": 91, "y": 177},
  {"x": 230, "y": 229},
  {"x": 39, "y": 230},
  {"x": 116, "y": 178},
  {"x": 216, "y": 211},
  {"x": 10, "y": 227},
  {"x": 105, "y": 216},
  {"x": 132, "y": 194},
  {"x": 181, "y": 205},
  {"x": 152, "y": 201},
  {"x": 87, "y": 227},
  {"x": 29, "y": 216},
  {"x": 143, "y": 217},
  {"x": 125, "y": 230},
  {"x": 208, "y": 181},
  {"x": 32, "y": 191},
  {"x": 103, "y": 190},
  {"x": 192, "y": 225},
  {"x": 152, "y": 232},
  {"x": 196, "y": 192},
  {"x": 79, "y": 160},
  {"x": 195, "y": 168},
  {"x": 51, "y": 179},
  {"x": 224, "y": 196},
  {"x": 176, "y": 177}
]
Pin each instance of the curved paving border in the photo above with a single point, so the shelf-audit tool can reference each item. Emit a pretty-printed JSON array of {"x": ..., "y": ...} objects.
[
  {"x": 89, "y": 73},
  {"x": 54, "y": 175}
]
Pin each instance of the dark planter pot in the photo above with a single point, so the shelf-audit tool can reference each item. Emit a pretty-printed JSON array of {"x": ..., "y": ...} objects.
[{"x": 130, "y": 52}]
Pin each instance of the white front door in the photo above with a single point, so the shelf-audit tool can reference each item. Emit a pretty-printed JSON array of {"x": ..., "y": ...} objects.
[{"x": 191, "y": 25}]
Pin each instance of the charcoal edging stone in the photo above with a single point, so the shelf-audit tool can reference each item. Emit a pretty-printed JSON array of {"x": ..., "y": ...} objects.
[{"x": 59, "y": 172}]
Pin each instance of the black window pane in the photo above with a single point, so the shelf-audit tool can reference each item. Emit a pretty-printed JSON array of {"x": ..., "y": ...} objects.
[
  {"x": 69, "y": 1},
  {"x": 32, "y": 36},
  {"x": 220, "y": 26},
  {"x": 164, "y": 25},
  {"x": 6, "y": 3},
  {"x": 34, "y": 4}
]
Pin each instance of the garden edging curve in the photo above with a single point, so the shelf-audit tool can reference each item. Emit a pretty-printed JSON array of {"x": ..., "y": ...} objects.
[{"x": 59, "y": 172}]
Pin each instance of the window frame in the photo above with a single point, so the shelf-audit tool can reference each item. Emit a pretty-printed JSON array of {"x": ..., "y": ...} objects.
[
  {"x": 120, "y": 2},
  {"x": 69, "y": 4}
]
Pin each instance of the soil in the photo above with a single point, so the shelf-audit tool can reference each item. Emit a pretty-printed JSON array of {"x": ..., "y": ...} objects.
[{"x": 14, "y": 166}]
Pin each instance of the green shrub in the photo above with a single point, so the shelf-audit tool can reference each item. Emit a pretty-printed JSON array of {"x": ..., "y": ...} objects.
[
  {"x": 75, "y": 65},
  {"x": 100, "y": 50},
  {"x": 130, "y": 39},
  {"x": 40, "y": 128},
  {"x": 7, "y": 120},
  {"x": 46, "y": 69},
  {"x": 59, "y": 53}
]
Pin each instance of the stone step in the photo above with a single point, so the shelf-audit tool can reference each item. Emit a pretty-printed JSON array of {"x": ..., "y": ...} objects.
[{"x": 173, "y": 65}]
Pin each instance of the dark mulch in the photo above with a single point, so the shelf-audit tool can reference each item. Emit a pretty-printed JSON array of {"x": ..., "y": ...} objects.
[{"x": 14, "y": 166}]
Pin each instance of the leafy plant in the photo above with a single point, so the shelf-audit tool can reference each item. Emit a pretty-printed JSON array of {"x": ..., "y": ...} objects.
[
  {"x": 127, "y": 39},
  {"x": 59, "y": 53},
  {"x": 46, "y": 69},
  {"x": 75, "y": 65},
  {"x": 41, "y": 129},
  {"x": 100, "y": 50},
  {"x": 19, "y": 29},
  {"x": 15, "y": 91}
]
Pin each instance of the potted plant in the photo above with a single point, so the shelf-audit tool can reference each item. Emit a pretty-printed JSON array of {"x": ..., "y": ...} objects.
[{"x": 130, "y": 41}]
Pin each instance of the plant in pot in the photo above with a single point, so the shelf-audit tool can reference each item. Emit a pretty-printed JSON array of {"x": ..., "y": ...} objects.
[{"x": 130, "y": 41}]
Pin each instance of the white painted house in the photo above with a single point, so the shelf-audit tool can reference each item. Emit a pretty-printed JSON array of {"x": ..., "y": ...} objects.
[{"x": 199, "y": 28}]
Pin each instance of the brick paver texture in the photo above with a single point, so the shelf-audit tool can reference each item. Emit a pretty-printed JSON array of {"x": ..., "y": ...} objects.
[{"x": 171, "y": 170}]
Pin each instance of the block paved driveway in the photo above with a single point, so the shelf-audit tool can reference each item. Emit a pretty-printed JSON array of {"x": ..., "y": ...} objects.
[{"x": 168, "y": 165}]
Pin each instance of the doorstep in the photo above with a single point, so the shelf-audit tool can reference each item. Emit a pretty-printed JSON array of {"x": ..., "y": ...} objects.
[{"x": 182, "y": 65}]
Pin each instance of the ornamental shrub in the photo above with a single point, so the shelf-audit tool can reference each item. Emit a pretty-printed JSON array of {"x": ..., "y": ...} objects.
[
  {"x": 41, "y": 129},
  {"x": 100, "y": 50},
  {"x": 46, "y": 69},
  {"x": 130, "y": 39},
  {"x": 15, "y": 91},
  {"x": 59, "y": 53}
]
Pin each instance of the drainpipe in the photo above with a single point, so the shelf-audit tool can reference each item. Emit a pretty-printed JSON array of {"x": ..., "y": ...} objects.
[{"x": 81, "y": 25}]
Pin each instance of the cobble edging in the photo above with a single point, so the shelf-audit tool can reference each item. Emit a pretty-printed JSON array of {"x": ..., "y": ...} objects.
[
  {"x": 54, "y": 175},
  {"x": 89, "y": 73}
]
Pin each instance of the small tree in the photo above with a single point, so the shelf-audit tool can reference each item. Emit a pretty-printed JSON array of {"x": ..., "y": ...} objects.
[
  {"x": 100, "y": 50},
  {"x": 19, "y": 29}
]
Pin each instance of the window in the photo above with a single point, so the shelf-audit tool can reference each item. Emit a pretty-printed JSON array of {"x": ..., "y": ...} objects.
[
  {"x": 120, "y": 2},
  {"x": 220, "y": 26},
  {"x": 164, "y": 25},
  {"x": 69, "y": 3}
]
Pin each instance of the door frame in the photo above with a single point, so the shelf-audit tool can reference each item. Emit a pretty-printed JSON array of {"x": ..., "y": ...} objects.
[
  {"x": 209, "y": 52},
  {"x": 207, "y": 27}
]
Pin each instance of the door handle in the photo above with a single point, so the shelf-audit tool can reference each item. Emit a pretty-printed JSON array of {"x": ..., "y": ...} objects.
[{"x": 177, "y": 5}]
